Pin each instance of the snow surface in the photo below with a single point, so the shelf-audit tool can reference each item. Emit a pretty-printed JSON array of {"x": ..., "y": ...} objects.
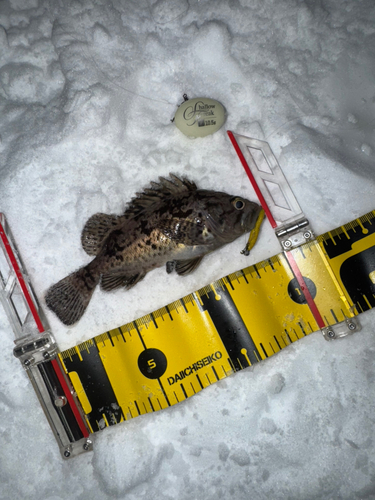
[{"x": 87, "y": 91}]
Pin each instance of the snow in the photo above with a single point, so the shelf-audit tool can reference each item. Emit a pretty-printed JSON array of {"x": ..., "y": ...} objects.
[{"x": 87, "y": 92}]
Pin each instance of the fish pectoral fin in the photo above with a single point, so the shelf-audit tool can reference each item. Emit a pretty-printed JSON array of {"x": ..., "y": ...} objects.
[
  {"x": 111, "y": 281},
  {"x": 184, "y": 267},
  {"x": 96, "y": 230}
]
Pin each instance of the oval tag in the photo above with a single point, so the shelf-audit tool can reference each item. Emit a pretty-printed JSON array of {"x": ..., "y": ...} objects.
[{"x": 199, "y": 117}]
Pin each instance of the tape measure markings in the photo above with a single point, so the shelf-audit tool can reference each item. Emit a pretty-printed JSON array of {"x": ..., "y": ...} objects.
[
  {"x": 152, "y": 326},
  {"x": 167, "y": 356},
  {"x": 356, "y": 273},
  {"x": 334, "y": 245},
  {"x": 138, "y": 333},
  {"x": 230, "y": 326},
  {"x": 343, "y": 297},
  {"x": 89, "y": 372},
  {"x": 267, "y": 291},
  {"x": 316, "y": 268},
  {"x": 359, "y": 239}
]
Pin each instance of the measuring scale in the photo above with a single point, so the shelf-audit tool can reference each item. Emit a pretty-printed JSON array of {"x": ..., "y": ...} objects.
[{"x": 171, "y": 354}]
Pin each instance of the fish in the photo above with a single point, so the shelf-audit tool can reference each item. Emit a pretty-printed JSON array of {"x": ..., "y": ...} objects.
[{"x": 171, "y": 223}]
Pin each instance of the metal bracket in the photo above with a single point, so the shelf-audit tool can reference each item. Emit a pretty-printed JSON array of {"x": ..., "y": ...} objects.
[
  {"x": 274, "y": 193},
  {"x": 33, "y": 350},
  {"x": 294, "y": 235},
  {"x": 343, "y": 329},
  {"x": 76, "y": 448},
  {"x": 37, "y": 350}
]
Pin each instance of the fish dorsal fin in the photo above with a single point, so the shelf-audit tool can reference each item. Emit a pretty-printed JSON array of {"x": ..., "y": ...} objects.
[
  {"x": 95, "y": 231},
  {"x": 157, "y": 192},
  {"x": 184, "y": 267}
]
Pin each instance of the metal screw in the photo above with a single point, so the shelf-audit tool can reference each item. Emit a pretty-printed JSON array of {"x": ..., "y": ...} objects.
[
  {"x": 66, "y": 453},
  {"x": 331, "y": 334},
  {"x": 27, "y": 362},
  {"x": 287, "y": 244},
  {"x": 46, "y": 355},
  {"x": 351, "y": 326},
  {"x": 60, "y": 401},
  {"x": 307, "y": 235},
  {"x": 86, "y": 446}
]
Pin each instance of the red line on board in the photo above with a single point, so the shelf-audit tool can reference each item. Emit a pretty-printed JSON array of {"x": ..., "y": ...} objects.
[
  {"x": 69, "y": 397},
  {"x": 310, "y": 301},
  {"x": 20, "y": 279},
  {"x": 252, "y": 179}
]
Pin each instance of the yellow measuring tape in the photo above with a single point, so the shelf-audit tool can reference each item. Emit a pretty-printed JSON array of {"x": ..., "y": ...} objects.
[{"x": 171, "y": 354}]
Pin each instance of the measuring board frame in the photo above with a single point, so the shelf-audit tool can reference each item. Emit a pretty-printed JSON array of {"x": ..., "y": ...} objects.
[{"x": 171, "y": 354}]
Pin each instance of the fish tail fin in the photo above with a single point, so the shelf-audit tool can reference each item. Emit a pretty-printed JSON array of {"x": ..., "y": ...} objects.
[{"x": 69, "y": 297}]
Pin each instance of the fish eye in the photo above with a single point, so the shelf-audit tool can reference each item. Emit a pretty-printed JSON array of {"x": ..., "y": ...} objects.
[{"x": 238, "y": 203}]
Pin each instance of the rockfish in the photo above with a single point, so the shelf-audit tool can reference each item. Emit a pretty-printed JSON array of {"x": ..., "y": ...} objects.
[{"x": 172, "y": 222}]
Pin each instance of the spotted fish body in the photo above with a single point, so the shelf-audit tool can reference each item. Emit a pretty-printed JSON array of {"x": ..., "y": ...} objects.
[{"x": 172, "y": 223}]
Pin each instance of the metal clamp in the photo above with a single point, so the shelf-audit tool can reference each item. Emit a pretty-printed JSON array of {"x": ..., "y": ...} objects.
[
  {"x": 76, "y": 448},
  {"x": 294, "y": 235},
  {"x": 343, "y": 329},
  {"x": 33, "y": 350}
]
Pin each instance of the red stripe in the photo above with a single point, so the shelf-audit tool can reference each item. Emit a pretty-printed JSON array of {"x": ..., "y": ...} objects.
[
  {"x": 252, "y": 179},
  {"x": 20, "y": 279},
  {"x": 310, "y": 301},
  {"x": 58, "y": 370}
]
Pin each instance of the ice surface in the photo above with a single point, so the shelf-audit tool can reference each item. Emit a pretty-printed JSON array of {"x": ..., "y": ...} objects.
[{"x": 87, "y": 91}]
